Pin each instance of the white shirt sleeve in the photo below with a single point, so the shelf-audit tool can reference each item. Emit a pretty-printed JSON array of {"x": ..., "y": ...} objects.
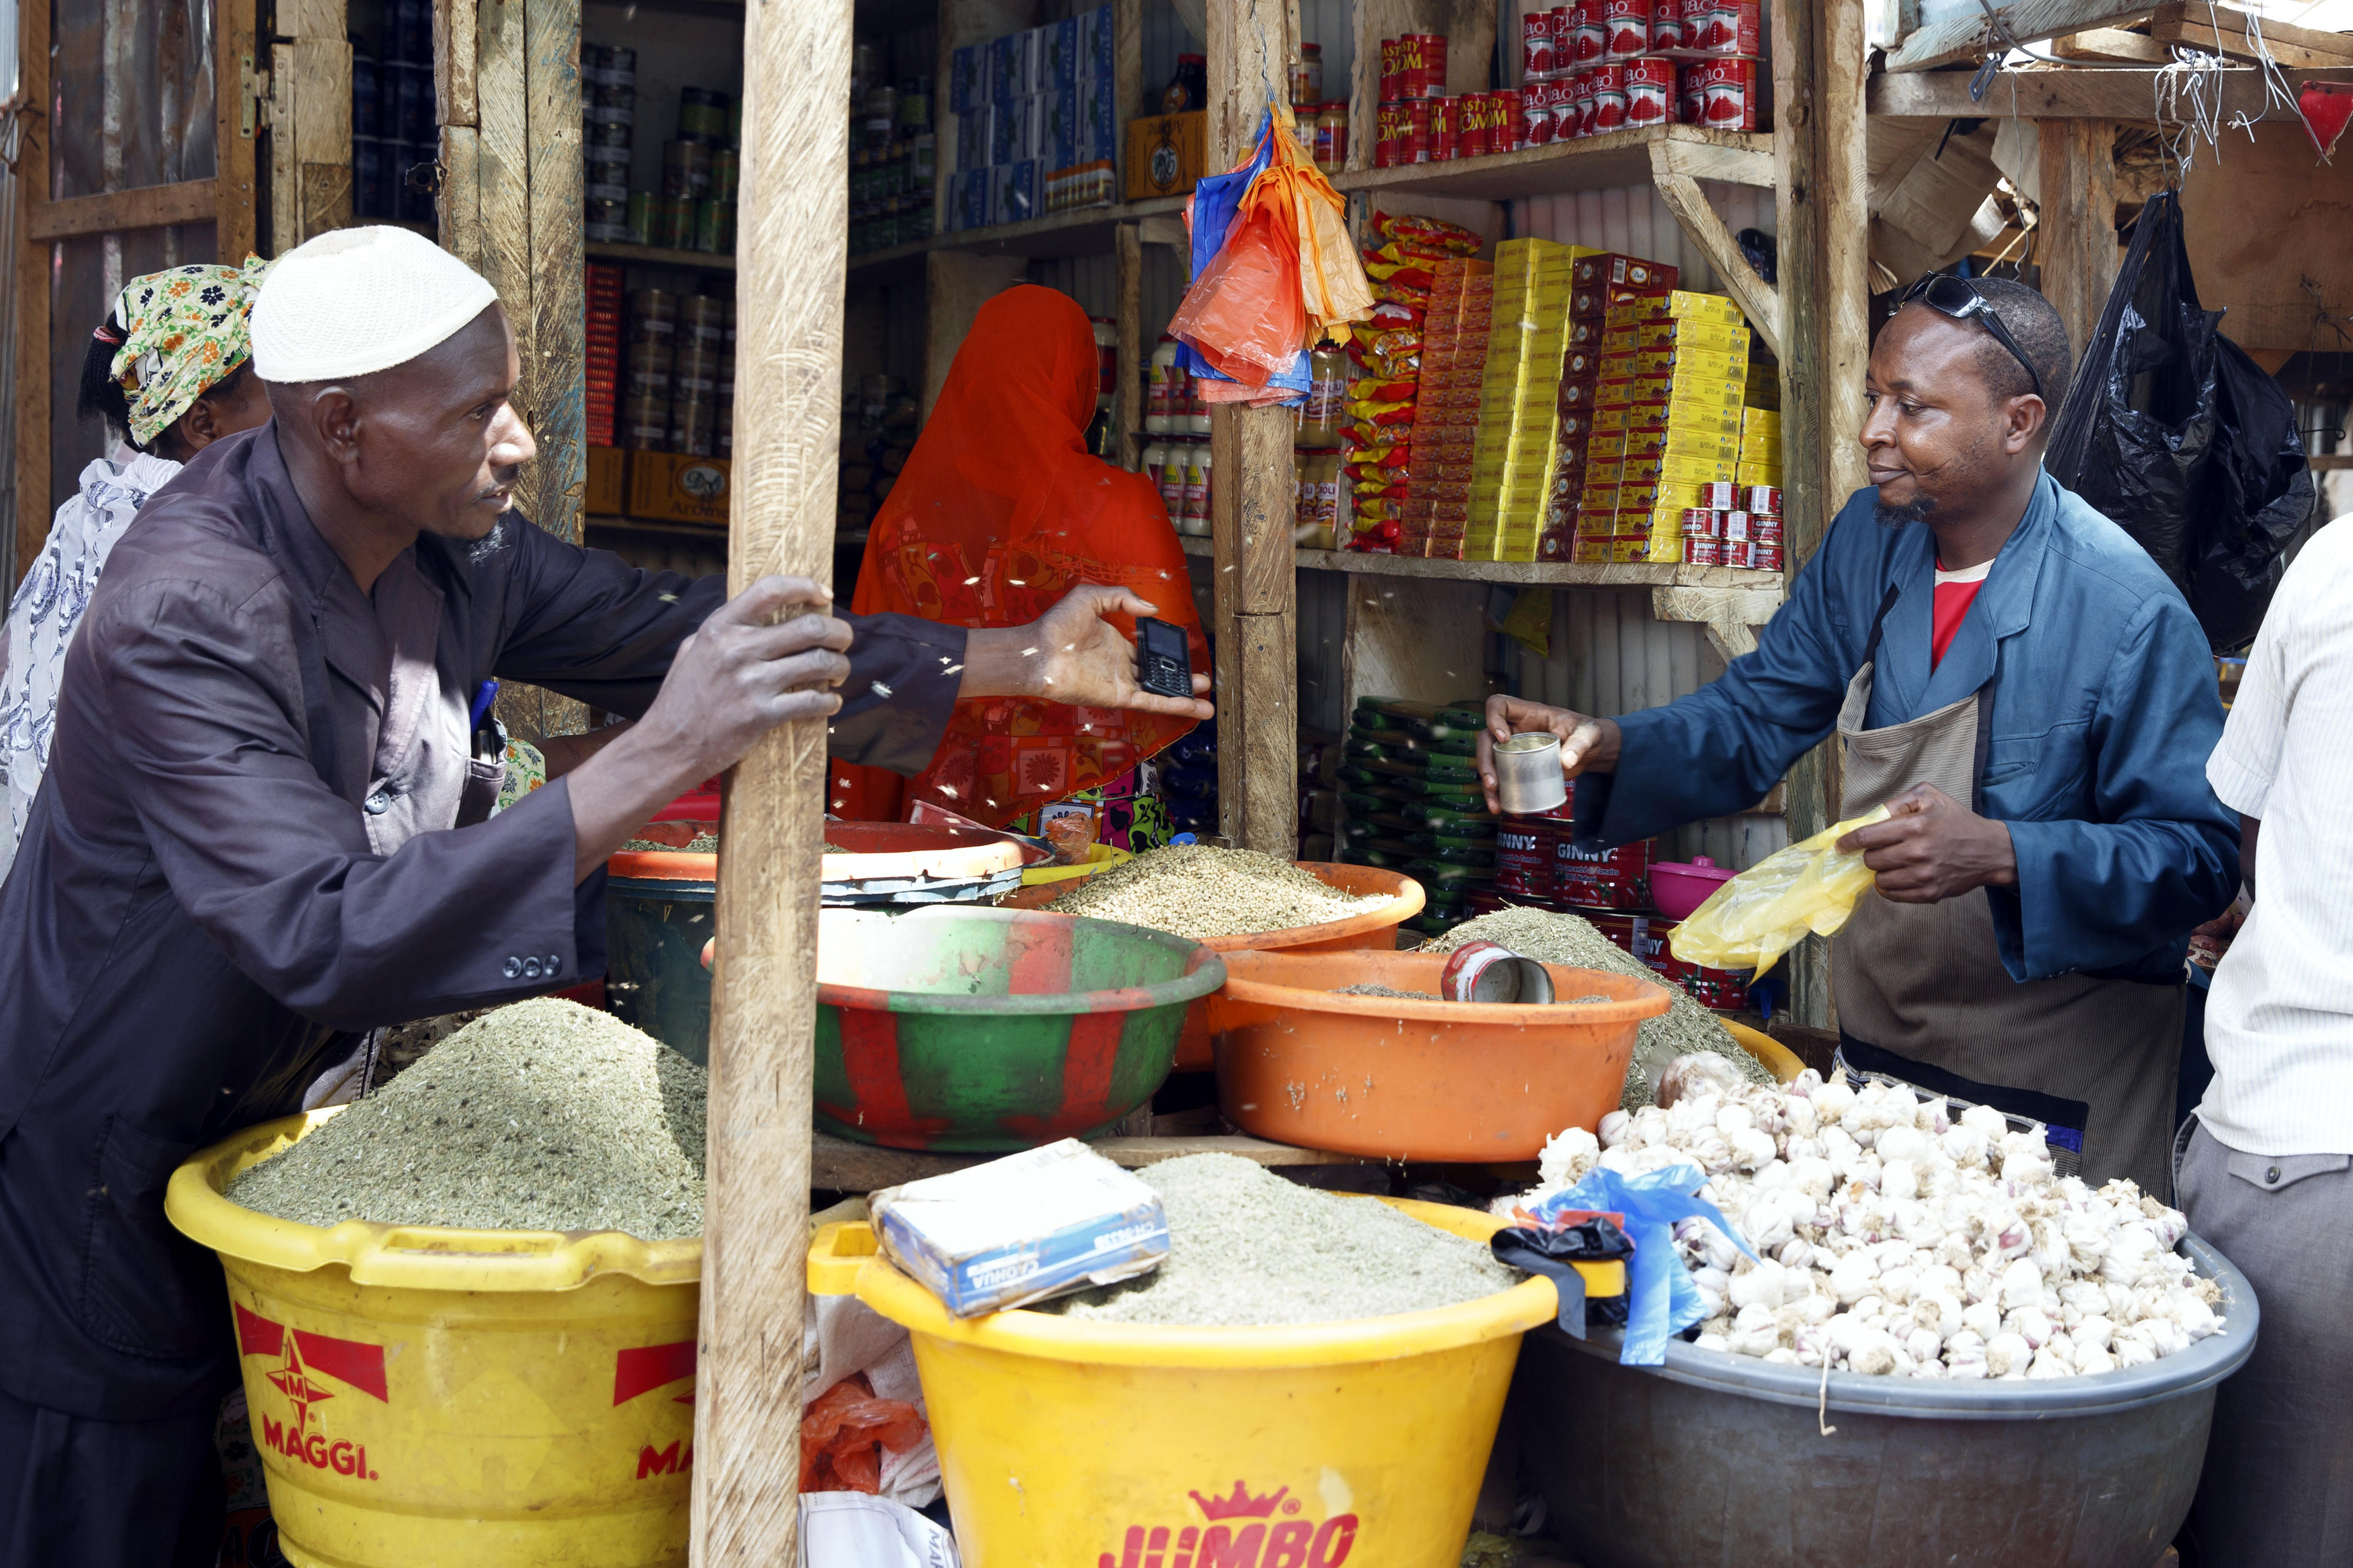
[{"x": 2247, "y": 757}]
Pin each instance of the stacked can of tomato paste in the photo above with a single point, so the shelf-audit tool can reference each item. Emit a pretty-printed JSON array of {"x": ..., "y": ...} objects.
[{"x": 1603, "y": 65}]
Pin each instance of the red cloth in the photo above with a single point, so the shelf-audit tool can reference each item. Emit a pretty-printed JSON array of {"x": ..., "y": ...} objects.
[
  {"x": 1952, "y": 607},
  {"x": 1001, "y": 510}
]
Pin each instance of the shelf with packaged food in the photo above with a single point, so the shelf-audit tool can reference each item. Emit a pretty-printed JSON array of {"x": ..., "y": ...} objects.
[
  {"x": 1526, "y": 573},
  {"x": 1588, "y": 164}
]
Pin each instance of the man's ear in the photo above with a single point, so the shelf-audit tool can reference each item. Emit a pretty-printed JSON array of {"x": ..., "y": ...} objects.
[
  {"x": 2025, "y": 423},
  {"x": 336, "y": 417}
]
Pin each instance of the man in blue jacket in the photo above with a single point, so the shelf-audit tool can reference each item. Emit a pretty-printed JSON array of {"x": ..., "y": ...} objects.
[{"x": 2014, "y": 678}]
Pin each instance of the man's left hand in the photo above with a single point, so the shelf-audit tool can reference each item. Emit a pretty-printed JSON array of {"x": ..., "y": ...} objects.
[
  {"x": 1072, "y": 653},
  {"x": 1932, "y": 849}
]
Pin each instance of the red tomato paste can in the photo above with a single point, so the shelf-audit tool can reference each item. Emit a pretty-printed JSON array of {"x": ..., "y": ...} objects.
[
  {"x": 1703, "y": 551},
  {"x": 1592, "y": 40},
  {"x": 1471, "y": 132},
  {"x": 1626, "y": 28},
  {"x": 1413, "y": 147},
  {"x": 1580, "y": 99},
  {"x": 1524, "y": 856},
  {"x": 1423, "y": 65},
  {"x": 1503, "y": 121},
  {"x": 1764, "y": 557},
  {"x": 1734, "y": 27},
  {"x": 1691, "y": 94},
  {"x": 1608, "y": 99},
  {"x": 1728, "y": 95},
  {"x": 1650, "y": 91},
  {"x": 1392, "y": 81},
  {"x": 1445, "y": 128},
  {"x": 1764, "y": 527},
  {"x": 1666, "y": 24},
  {"x": 1761, "y": 498},
  {"x": 1389, "y": 118},
  {"x": 1701, "y": 522},
  {"x": 1537, "y": 44},
  {"x": 1560, "y": 104},
  {"x": 1564, "y": 38},
  {"x": 1535, "y": 113}
]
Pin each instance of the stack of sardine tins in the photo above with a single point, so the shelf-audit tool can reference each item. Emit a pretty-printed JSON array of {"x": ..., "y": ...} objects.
[{"x": 1896, "y": 1238}]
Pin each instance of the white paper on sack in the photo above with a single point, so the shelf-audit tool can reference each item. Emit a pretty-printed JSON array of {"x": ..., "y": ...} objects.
[
  {"x": 851, "y": 1529},
  {"x": 1023, "y": 1228}
]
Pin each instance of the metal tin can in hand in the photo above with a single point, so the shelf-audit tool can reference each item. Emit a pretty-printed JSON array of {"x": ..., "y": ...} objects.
[{"x": 1527, "y": 774}]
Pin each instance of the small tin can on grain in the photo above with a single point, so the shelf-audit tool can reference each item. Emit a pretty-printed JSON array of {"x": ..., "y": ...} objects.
[
  {"x": 1609, "y": 97},
  {"x": 1650, "y": 91},
  {"x": 1445, "y": 133},
  {"x": 1560, "y": 104},
  {"x": 1537, "y": 44},
  {"x": 1414, "y": 146},
  {"x": 1527, "y": 774},
  {"x": 1592, "y": 34},
  {"x": 1491, "y": 973},
  {"x": 1703, "y": 551},
  {"x": 1535, "y": 113},
  {"x": 1392, "y": 69},
  {"x": 1626, "y": 28},
  {"x": 1666, "y": 24}
]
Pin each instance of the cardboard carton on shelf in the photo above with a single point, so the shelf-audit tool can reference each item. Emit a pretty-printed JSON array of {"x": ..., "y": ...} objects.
[
  {"x": 608, "y": 481},
  {"x": 665, "y": 487},
  {"x": 1167, "y": 155}
]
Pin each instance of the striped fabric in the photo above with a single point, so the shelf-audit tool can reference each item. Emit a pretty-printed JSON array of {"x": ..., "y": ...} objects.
[{"x": 2279, "y": 1023}]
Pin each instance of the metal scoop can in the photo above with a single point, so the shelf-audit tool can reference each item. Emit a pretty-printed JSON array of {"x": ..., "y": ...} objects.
[{"x": 1527, "y": 774}]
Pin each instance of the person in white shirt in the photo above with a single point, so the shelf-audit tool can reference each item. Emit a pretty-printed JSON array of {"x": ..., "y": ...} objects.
[{"x": 2265, "y": 1170}]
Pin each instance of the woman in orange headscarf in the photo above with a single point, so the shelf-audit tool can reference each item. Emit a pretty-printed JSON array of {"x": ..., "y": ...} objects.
[{"x": 1000, "y": 510}]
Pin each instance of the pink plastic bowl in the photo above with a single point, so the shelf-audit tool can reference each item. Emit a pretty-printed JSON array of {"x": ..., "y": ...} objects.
[{"x": 1680, "y": 887}]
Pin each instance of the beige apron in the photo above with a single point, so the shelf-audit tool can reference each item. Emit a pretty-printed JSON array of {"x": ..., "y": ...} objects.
[{"x": 1925, "y": 985}]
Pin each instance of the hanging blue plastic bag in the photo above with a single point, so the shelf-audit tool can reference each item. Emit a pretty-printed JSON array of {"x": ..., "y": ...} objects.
[
  {"x": 1217, "y": 200},
  {"x": 1662, "y": 1299}
]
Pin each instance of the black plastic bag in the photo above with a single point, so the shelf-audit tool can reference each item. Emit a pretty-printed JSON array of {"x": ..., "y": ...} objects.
[
  {"x": 2170, "y": 429},
  {"x": 1551, "y": 1251}
]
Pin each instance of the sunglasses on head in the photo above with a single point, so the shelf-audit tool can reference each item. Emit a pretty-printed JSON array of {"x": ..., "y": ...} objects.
[{"x": 1959, "y": 297}]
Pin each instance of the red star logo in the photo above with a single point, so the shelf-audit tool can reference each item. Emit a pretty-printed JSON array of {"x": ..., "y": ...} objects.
[{"x": 295, "y": 1383}]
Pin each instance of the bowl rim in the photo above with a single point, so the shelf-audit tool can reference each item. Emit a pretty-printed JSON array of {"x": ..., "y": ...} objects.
[
  {"x": 1243, "y": 986},
  {"x": 1406, "y": 901}
]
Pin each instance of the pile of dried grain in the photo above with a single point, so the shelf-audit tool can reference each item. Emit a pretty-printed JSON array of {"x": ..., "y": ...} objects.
[
  {"x": 1198, "y": 892},
  {"x": 1247, "y": 1249},
  {"x": 1564, "y": 938},
  {"x": 1367, "y": 988},
  {"x": 541, "y": 1116}
]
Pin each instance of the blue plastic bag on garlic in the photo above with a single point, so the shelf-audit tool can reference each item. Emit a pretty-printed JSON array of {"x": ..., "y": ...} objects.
[{"x": 1663, "y": 1300}]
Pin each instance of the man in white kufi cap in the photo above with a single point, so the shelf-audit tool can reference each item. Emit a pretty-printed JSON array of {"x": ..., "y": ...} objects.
[{"x": 266, "y": 829}]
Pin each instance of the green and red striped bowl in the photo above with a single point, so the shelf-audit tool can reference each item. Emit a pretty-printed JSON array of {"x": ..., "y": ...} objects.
[{"x": 975, "y": 1030}]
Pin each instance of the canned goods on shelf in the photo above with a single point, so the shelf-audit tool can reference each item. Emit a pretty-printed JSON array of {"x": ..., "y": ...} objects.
[
  {"x": 1535, "y": 114},
  {"x": 686, "y": 170},
  {"x": 647, "y": 382},
  {"x": 608, "y": 220},
  {"x": 653, "y": 305},
  {"x": 1537, "y": 39},
  {"x": 1609, "y": 111},
  {"x": 714, "y": 226},
  {"x": 599, "y": 135},
  {"x": 673, "y": 223},
  {"x": 726, "y": 169},
  {"x": 1445, "y": 132},
  {"x": 642, "y": 217},
  {"x": 1649, "y": 91},
  {"x": 1703, "y": 550},
  {"x": 703, "y": 114}
]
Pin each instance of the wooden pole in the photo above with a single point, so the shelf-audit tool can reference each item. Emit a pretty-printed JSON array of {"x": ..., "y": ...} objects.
[
  {"x": 1128, "y": 392},
  {"x": 32, "y": 322},
  {"x": 793, "y": 251},
  {"x": 2078, "y": 225},
  {"x": 1254, "y": 493},
  {"x": 235, "y": 126},
  {"x": 1821, "y": 190}
]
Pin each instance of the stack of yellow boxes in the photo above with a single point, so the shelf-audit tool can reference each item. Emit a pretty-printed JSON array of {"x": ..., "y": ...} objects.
[
  {"x": 1518, "y": 425},
  {"x": 1674, "y": 364},
  {"x": 1760, "y": 447}
]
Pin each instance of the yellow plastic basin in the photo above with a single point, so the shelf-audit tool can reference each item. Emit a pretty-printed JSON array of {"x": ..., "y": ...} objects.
[
  {"x": 1078, "y": 1443},
  {"x": 499, "y": 1399}
]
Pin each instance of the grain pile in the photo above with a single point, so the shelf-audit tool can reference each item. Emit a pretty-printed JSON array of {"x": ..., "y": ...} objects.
[
  {"x": 541, "y": 1116},
  {"x": 1198, "y": 892},
  {"x": 1247, "y": 1249},
  {"x": 1564, "y": 937}
]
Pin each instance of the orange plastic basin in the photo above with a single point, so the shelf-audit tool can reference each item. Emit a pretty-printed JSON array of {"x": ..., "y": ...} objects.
[
  {"x": 1405, "y": 1079},
  {"x": 1375, "y": 929}
]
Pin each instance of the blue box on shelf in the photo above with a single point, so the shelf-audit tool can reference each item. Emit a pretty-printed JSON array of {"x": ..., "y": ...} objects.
[
  {"x": 965, "y": 85},
  {"x": 1017, "y": 192},
  {"x": 970, "y": 194},
  {"x": 1062, "y": 61},
  {"x": 1059, "y": 131},
  {"x": 1094, "y": 58},
  {"x": 1098, "y": 122}
]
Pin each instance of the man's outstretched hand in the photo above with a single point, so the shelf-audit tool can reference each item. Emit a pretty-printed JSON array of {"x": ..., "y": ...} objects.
[
  {"x": 1072, "y": 653},
  {"x": 1932, "y": 849},
  {"x": 1585, "y": 745}
]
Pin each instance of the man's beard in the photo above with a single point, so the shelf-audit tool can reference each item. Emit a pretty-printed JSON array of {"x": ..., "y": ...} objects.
[{"x": 1917, "y": 509}]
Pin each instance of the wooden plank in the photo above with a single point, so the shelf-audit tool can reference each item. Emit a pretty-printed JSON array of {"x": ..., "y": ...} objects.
[
  {"x": 31, "y": 324},
  {"x": 236, "y": 124},
  {"x": 454, "y": 28},
  {"x": 1258, "y": 754},
  {"x": 2111, "y": 45},
  {"x": 2046, "y": 94},
  {"x": 285, "y": 158},
  {"x": 1962, "y": 32},
  {"x": 1697, "y": 217},
  {"x": 839, "y": 1165},
  {"x": 794, "y": 249},
  {"x": 1601, "y": 162},
  {"x": 1731, "y": 156},
  {"x": 459, "y": 204},
  {"x": 558, "y": 480},
  {"x": 146, "y": 207},
  {"x": 322, "y": 133},
  {"x": 1127, "y": 389},
  {"x": 2195, "y": 26},
  {"x": 1527, "y": 573},
  {"x": 503, "y": 148},
  {"x": 2077, "y": 244}
]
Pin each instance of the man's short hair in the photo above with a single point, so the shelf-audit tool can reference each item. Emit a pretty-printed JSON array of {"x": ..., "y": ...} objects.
[{"x": 2034, "y": 321}]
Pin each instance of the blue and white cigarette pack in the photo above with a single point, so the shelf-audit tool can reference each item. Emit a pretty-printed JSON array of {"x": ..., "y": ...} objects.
[{"x": 1022, "y": 1228}]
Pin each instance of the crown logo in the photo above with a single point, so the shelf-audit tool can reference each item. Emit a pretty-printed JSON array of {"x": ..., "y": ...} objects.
[{"x": 1242, "y": 1505}]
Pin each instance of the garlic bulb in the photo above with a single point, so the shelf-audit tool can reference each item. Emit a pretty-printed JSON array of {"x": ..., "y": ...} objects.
[{"x": 1895, "y": 1237}]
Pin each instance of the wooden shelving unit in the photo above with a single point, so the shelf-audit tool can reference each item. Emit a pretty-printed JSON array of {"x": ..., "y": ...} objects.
[
  {"x": 1593, "y": 164},
  {"x": 656, "y": 255},
  {"x": 1524, "y": 573}
]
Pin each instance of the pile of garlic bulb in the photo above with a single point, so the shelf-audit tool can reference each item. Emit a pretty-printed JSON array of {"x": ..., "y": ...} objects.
[{"x": 1894, "y": 1240}]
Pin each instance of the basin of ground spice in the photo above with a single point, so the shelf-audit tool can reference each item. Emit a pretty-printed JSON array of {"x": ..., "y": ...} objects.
[
  {"x": 1564, "y": 937},
  {"x": 540, "y": 1116},
  {"x": 1200, "y": 891},
  {"x": 1247, "y": 1249}
]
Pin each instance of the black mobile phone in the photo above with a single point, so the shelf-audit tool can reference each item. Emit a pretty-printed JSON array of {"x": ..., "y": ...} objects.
[{"x": 1164, "y": 663}]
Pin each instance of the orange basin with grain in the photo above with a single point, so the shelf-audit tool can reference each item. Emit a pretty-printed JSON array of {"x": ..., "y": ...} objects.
[
  {"x": 1400, "y": 1078},
  {"x": 1375, "y": 929}
]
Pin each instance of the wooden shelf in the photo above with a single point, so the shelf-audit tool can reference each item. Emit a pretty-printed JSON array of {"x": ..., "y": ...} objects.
[
  {"x": 655, "y": 256},
  {"x": 715, "y": 532},
  {"x": 1082, "y": 231},
  {"x": 1589, "y": 164},
  {"x": 1526, "y": 573}
]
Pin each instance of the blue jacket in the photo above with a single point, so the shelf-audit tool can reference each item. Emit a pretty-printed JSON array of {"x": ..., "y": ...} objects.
[{"x": 2105, "y": 708}]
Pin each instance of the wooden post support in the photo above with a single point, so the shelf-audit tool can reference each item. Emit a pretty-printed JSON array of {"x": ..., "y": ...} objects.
[
  {"x": 1822, "y": 193},
  {"x": 2078, "y": 225},
  {"x": 1254, "y": 491},
  {"x": 235, "y": 126},
  {"x": 1128, "y": 392},
  {"x": 30, "y": 326},
  {"x": 793, "y": 264}
]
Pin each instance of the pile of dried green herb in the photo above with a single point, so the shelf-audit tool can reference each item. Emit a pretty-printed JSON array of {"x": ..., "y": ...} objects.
[
  {"x": 540, "y": 1116},
  {"x": 1563, "y": 938},
  {"x": 1198, "y": 892}
]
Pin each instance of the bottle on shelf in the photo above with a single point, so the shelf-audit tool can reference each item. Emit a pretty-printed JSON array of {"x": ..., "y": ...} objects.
[{"x": 1166, "y": 395}]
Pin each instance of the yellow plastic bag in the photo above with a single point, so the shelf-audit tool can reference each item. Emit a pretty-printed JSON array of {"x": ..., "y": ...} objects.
[{"x": 1751, "y": 920}]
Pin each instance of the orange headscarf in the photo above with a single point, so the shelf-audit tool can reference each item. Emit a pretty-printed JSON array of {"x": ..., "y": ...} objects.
[{"x": 1001, "y": 508}]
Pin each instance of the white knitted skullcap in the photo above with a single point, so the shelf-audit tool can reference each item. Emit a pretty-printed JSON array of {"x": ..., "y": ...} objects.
[{"x": 355, "y": 301}]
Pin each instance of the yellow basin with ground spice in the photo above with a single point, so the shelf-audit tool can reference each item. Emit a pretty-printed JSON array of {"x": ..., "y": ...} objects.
[{"x": 496, "y": 1399}]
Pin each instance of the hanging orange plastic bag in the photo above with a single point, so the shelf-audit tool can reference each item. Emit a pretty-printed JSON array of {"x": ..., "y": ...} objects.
[
  {"x": 1244, "y": 314},
  {"x": 1751, "y": 920}
]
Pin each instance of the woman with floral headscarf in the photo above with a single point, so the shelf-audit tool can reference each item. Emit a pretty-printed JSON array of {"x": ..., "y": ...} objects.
[{"x": 168, "y": 373}]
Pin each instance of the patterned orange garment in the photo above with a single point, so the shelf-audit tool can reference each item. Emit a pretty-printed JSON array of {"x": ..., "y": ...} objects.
[{"x": 1000, "y": 510}]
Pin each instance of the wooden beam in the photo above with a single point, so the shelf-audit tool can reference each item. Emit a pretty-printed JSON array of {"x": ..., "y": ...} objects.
[
  {"x": 2195, "y": 27},
  {"x": 2077, "y": 230},
  {"x": 454, "y": 27},
  {"x": 146, "y": 207},
  {"x": 1254, "y": 493},
  {"x": 31, "y": 325},
  {"x": 1127, "y": 389},
  {"x": 2046, "y": 94},
  {"x": 323, "y": 135},
  {"x": 1697, "y": 216},
  {"x": 2111, "y": 45},
  {"x": 557, "y": 483},
  {"x": 1729, "y": 615},
  {"x": 792, "y": 264},
  {"x": 236, "y": 124},
  {"x": 1746, "y": 161},
  {"x": 1962, "y": 31},
  {"x": 285, "y": 160},
  {"x": 1823, "y": 198},
  {"x": 1127, "y": 84}
]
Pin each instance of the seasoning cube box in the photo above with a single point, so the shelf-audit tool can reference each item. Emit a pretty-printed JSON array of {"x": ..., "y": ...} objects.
[
  {"x": 1058, "y": 139},
  {"x": 1095, "y": 45},
  {"x": 1016, "y": 193},
  {"x": 1023, "y": 1228},
  {"x": 966, "y": 86},
  {"x": 1098, "y": 125},
  {"x": 1059, "y": 46},
  {"x": 1629, "y": 271}
]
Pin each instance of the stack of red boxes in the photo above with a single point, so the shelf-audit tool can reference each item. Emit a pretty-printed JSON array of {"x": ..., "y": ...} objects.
[
  {"x": 602, "y": 355},
  {"x": 1437, "y": 513}
]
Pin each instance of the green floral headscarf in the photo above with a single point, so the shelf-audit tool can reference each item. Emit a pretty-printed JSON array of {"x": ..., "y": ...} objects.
[{"x": 183, "y": 333}]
